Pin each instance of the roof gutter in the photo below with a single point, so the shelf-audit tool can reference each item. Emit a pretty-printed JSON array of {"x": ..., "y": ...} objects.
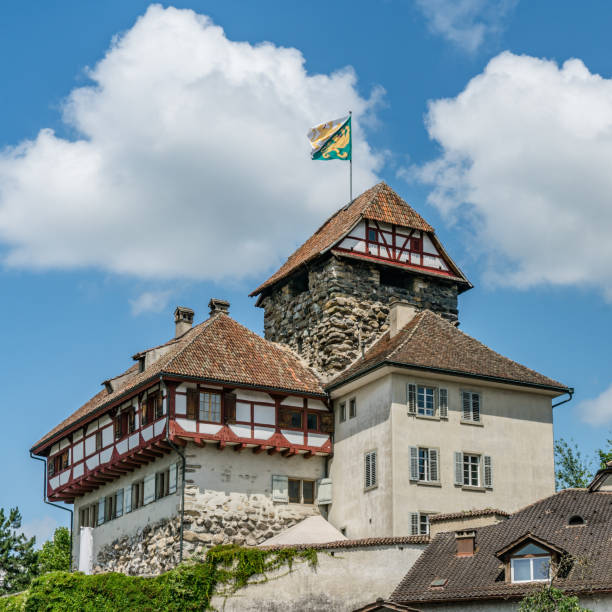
[
  {"x": 570, "y": 392},
  {"x": 409, "y": 366}
]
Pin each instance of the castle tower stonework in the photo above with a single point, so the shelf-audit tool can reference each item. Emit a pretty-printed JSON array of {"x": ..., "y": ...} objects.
[{"x": 332, "y": 296}]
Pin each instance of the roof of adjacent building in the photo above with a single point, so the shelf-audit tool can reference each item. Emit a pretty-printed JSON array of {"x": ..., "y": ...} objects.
[
  {"x": 218, "y": 350},
  {"x": 359, "y": 543},
  {"x": 481, "y": 576},
  {"x": 467, "y": 514},
  {"x": 379, "y": 203},
  {"x": 311, "y": 530},
  {"x": 431, "y": 342}
]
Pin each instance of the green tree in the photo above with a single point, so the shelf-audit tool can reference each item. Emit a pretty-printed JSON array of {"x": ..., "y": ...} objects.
[
  {"x": 605, "y": 455},
  {"x": 572, "y": 469},
  {"x": 55, "y": 554},
  {"x": 550, "y": 599},
  {"x": 18, "y": 559}
]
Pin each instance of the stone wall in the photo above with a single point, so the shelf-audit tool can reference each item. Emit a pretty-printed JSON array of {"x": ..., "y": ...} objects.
[{"x": 343, "y": 304}]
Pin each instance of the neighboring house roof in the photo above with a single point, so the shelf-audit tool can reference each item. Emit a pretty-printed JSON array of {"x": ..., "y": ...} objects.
[
  {"x": 360, "y": 543},
  {"x": 380, "y": 203},
  {"x": 312, "y": 530},
  {"x": 220, "y": 350},
  {"x": 467, "y": 514},
  {"x": 430, "y": 342},
  {"x": 481, "y": 576}
]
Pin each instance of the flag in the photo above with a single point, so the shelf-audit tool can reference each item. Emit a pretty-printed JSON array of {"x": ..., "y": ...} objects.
[{"x": 332, "y": 140}]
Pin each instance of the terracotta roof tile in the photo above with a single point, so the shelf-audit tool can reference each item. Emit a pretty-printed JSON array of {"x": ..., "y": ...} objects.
[
  {"x": 467, "y": 514},
  {"x": 363, "y": 542},
  {"x": 380, "y": 203},
  {"x": 481, "y": 576},
  {"x": 430, "y": 341},
  {"x": 218, "y": 349}
]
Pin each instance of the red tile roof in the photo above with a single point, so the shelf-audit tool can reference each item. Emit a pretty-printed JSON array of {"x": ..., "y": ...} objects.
[
  {"x": 481, "y": 576},
  {"x": 380, "y": 203},
  {"x": 219, "y": 349},
  {"x": 429, "y": 341}
]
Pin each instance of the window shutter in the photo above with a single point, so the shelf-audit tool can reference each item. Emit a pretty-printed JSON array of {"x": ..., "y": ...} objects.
[
  {"x": 149, "y": 489},
  {"x": 414, "y": 463},
  {"x": 324, "y": 491},
  {"x": 101, "y": 507},
  {"x": 172, "y": 478},
  {"x": 476, "y": 406},
  {"x": 411, "y": 392},
  {"x": 414, "y": 523},
  {"x": 373, "y": 475},
  {"x": 458, "y": 468},
  {"x": 443, "y": 403},
  {"x": 488, "y": 472},
  {"x": 229, "y": 407},
  {"x": 192, "y": 403},
  {"x": 366, "y": 471},
  {"x": 119, "y": 508},
  {"x": 280, "y": 488},
  {"x": 327, "y": 422},
  {"x": 467, "y": 412},
  {"x": 433, "y": 465},
  {"x": 127, "y": 495}
]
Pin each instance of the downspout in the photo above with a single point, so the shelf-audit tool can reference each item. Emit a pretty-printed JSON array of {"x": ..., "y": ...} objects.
[
  {"x": 183, "y": 462},
  {"x": 52, "y": 504},
  {"x": 570, "y": 392}
]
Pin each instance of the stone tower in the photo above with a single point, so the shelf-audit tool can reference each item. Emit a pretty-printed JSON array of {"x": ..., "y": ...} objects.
[{"x": 332, "y": 296}]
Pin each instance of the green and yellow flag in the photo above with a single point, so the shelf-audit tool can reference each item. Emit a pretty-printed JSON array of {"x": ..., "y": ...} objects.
[{"x": 332, "y": 140}]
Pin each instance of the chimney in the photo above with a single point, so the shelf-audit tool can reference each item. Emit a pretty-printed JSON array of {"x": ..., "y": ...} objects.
[
  {"x": 466, "y": 541},
  {"x": 217, "y": 305},
  {"x": 183, "y": 320},
  {"x": 400, "y": 314}
]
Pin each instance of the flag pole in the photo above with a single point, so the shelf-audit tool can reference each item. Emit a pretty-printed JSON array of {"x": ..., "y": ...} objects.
[{"x": 351, "y": 161}]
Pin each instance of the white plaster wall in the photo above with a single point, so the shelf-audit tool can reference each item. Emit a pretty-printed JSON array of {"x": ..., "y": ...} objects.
[
  {"x": 516, "y": 432},
  {"x": 349, "y": 579},
  {"x": 363, "y": 513}
]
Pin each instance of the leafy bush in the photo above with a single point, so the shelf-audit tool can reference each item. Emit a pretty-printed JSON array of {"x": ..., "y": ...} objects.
[
  {"x": 55, "y": 554},
  {"x": 550, "y": 599}
]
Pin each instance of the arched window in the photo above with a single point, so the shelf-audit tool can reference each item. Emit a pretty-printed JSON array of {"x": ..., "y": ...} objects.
[{"x": 575, "y": 520}]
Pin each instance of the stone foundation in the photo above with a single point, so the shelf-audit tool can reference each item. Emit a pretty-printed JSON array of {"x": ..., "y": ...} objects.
[{"x": 342, "y": 304}]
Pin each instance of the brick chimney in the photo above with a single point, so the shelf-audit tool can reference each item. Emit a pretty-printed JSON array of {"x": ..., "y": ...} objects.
[
  {"x": 400, "y": 314},
  {"x": 466, "y": 543},
  {"x": 216, "y": 305},
  {"x": 183, "y": 320}
]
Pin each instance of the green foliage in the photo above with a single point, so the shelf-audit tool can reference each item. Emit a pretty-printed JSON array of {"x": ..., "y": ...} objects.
[
  {"x": 55, "y": 554},
  {"x": 190, "y": 586},
  {"x": 18, "y": 559},
  {"x": 605, "y": 455},
  {"x": 572, "y": 469},
  {"x": 550, "y": 599}
]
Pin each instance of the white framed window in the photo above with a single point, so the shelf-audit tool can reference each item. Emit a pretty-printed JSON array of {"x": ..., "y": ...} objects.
[
  {"x": 370, "y": 476},
  {"x": 419, "y": 523},
  {"x": 470, "y": 402},
  {"x": 473, "y": 470},
  {"x": 342, "y": 412},
  {"x": 427, "y": 401},
  {"x": 424, "y": 464},
  {"x": 530, "y": 564}
]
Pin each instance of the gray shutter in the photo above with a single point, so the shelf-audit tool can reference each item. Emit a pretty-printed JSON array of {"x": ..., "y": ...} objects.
[
  {"x": 101, "y": 506},
  {"x": 127, "y": 496},
  {"x": 324, "y": 491},
  {"x": 280, "y": 488},
  {"x": 367, "y": 481},
  {"x": 172, "y": 474},
  {"x": 119, "y": 507},
  {"x": 433, "y": 465},
  {"x": 458, "y": 468},
  {"x": 149, "y": 489},
  {"x": 467, "y": 409},
  {"x": 373, "y": 477},
  {"x": 414, "y": 463},
  {"x": 414, "y": 523},
  {"x": 476, "y": 406},
  {"x": 411, "y": 392},
  {"x": 488, "y": 472},
  {"x": 443, "y": 403}
]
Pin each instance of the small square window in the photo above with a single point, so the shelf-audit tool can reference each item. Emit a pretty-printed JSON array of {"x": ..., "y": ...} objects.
[
  {"x": 312, "y": 421},
  {"x": 372, "y": 235},
  {"x": 352, "y": 408},
  {"x": 296, "y": 419}
]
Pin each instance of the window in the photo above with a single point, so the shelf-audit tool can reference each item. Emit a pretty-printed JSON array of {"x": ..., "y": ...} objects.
[
  {"x": 98, "y": 440},
  {"x": 137, "y": 494},
  {"x": 424, "y": 464},
  {"x": 419, "y": 523},
  {"x": 210, "y": 407},
  {"x": 291, "y": 418},
  {"x": 162, "y": 480},
  {"x": 471, "y": 470},
  {"x": 370, "y": 477},
  {"x": 109, "y": 505},
  {"x": 312, "y": 421},
  {"x": 342, "y": 412},
  {"x": 471, "y": 406},
  {"x": 372, "y": 235},
  {"x": 121, "y": 425},
  {"x": 425, "y": 400},
  {"x": 301, "y": 491},
  {"x": 416, "y": 245},
  {"x": 131, "y": 420},
  {"x": 352, "y": 408},
  {"x": 530, "y": 564}
]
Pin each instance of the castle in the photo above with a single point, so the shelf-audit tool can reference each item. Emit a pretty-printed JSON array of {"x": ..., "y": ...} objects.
[{"x": 364, "y": 404}]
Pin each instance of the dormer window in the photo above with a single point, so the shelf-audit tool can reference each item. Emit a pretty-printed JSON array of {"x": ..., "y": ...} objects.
[
  {"x": 575, "y": 520},
  {"x": 530, "y": 564}
]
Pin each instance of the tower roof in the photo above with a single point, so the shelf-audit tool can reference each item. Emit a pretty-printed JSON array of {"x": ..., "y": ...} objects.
[{"x": 379, "y": 203}]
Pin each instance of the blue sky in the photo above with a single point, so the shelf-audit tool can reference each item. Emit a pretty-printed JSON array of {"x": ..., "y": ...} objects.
[{"x": 177, "y": 170}]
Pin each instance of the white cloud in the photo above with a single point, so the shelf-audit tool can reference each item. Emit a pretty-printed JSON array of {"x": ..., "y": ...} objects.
[
  {"x": 150, "y": 301},
  {"x": 41, "y": 528},
  {"x": 466, "y": 23},
  {"x": 597, "y": 411},
  {"x": 190, "y": 161},
  {"x": 526, "y": 151}
]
